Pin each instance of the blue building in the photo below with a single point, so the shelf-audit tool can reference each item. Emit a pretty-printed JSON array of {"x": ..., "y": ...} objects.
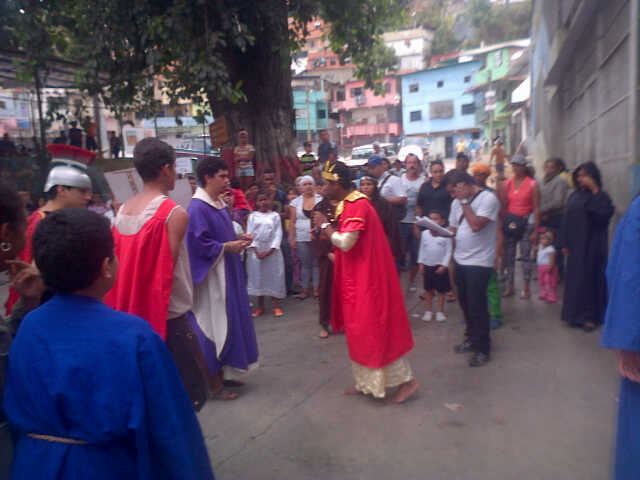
[
  {"x": 438, "y": 103},
  {"x": 311, "y": 110}
]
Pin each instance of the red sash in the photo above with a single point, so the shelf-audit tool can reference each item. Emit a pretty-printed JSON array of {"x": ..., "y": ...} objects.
[{"x": 145, "y": 276}]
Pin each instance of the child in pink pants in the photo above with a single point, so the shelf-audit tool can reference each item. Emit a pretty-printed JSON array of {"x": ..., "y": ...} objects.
[{"x": 547, "y": 270}]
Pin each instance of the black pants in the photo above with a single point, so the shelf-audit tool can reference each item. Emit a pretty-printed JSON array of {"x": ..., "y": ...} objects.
[{"x": 472, "y": 283}]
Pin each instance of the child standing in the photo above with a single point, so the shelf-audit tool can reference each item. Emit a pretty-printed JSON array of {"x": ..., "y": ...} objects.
[
  {"x": 547, "y": 270},
  {"x": 265, "y": 263},
  {"x": 433, "y": 260}
]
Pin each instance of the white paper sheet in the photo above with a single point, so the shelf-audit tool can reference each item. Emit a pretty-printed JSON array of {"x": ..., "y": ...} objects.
[{"x": 426, "y": 222}]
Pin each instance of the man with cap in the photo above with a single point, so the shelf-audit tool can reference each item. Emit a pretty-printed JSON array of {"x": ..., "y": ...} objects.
[
  {"x": 66, "y": 187},
  {"x": 367, "y": 297},
  {"x": 391, "y": 188}
]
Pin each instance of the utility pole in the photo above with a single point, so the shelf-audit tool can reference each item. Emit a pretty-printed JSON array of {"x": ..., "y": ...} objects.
[{"x": 308, "y": 115}]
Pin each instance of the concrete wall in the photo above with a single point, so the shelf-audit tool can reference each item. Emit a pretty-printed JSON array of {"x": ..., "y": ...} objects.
[
  {"x": 584, "y": 88},
  {"x": 454, "y": 88}
]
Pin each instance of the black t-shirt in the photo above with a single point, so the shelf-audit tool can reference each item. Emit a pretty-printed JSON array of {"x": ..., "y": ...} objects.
[
  {"x": 326, "y": 149},
  {"x": 430, "y": 199}
]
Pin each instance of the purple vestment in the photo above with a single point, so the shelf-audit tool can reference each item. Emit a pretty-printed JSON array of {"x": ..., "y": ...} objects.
[{"x": 221, "y": 315}]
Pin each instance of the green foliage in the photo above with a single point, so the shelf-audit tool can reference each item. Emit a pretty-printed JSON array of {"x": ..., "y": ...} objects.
[
  {"x": 121, "y": 46},
  {"x": 498, "y": 23}
]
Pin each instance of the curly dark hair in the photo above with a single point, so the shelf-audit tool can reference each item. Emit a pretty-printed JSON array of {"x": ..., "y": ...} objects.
[
  {"x": 69, "y": 248},
  {"x": 150, "y": 155},
  {"x": 591, "y": 169},
  {"x": 11, "y": 208}
]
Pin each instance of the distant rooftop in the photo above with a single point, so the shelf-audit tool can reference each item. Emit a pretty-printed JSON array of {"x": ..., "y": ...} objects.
[
  {"x": 406, "y": 34},
  {"x": 522, "y": 43}
]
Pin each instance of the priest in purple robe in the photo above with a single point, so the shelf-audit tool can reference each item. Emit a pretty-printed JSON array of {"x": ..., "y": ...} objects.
[{"x": 221, "y": 311}]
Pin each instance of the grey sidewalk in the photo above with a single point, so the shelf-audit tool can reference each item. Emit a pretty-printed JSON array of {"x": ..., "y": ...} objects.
[{"x": 544, "y": 408}]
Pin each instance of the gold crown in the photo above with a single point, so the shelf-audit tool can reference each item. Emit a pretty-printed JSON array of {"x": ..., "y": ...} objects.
[{"x": 329, "y": 172}]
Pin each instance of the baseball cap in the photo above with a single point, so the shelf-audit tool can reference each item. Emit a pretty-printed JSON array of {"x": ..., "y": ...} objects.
[
  {"x": 375, "y": 160},
  {"x": 518, "y": 160}
]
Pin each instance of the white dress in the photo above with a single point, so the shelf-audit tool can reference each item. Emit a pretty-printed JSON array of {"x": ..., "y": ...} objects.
[{"x": 266, "y": 276}]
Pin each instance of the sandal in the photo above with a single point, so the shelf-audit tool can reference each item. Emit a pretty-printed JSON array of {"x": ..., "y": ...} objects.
[
  {"x": 257, "y": 312},
  {"x": 277, "y": 312},
  {"x": 222, "y": 394},
  {"x": 303, "y": 296}
]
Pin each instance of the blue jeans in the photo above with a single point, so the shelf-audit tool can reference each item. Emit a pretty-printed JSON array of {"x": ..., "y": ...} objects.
[
  {"x": 410, "y": 243},
  {"x": 308, "y": 265}
]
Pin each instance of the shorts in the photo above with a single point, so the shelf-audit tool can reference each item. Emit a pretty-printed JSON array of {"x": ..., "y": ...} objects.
[
  {"x": 245, "y": 172},
  {"x": 410, "y": 243},
  {"x": 434, "y": 281}
]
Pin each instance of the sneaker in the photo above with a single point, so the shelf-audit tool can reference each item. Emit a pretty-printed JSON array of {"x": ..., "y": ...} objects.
[
  {"x": 427, "y": 317},
  {"x": 464, "y": 347},
  {"x": 440, "y": 317},
  {"x": 478, "y": 359},
  {"x": 495, "y": 323},
  {"x": 277, "y": 312}
]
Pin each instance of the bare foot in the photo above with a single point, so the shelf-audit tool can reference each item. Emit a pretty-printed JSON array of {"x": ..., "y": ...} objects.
[
  {"x": 351, "y": 391},
  {"x": 406, "y": 391},
  {"x": 323, "y": 334}
]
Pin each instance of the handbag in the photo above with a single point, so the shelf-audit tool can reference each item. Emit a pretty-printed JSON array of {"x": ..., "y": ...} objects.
[{"x": 514, "y": 226}]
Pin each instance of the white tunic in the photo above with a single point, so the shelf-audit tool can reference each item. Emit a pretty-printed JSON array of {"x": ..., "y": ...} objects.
[{"x": 266, "y": 276}]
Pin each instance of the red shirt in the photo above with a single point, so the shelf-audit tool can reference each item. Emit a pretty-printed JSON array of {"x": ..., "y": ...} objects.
[
  {"x": 25, "y": 255},
  {"x": 520, "y": 199}
]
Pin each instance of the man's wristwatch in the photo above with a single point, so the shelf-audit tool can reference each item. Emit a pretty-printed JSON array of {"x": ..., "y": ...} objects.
[
  {"x": 464, "y": 201},
  {"x": 324, "y": 225}
]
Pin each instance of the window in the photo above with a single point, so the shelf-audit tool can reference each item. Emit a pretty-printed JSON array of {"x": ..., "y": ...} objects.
[
  {"x": 387, "y": 87},
  {"x": 443, "y": 109},
  {"x": 413, "y": 87},
  {"x": 3, "y": 105},
  {"x": 468, "y": 108},
  {"x": 381, "y": 118},
  {"x": 467, "y": 79},
  {"x": 415, "y": 116},
  {"x": 340, "y": 96},
  {"x": 312, "y": 43},
  {"x": 322, "y": 114},
  {"x": 497, "y": 58},
  {"x": 356, "y": 92},
  {"x": 504, "y": 95},
  {"x": 332, "y": 61},
  {"x": 440, "y": 83},
  {"x": 475, "y": 135}
]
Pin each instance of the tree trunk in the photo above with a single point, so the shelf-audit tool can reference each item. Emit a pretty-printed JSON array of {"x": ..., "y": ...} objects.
[{"x": 267, "y": 113}]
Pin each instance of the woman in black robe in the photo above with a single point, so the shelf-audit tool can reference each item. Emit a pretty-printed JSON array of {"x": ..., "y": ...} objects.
[
  {"x": 369, "y": 186},
  {"x": 584, "y": 242}
]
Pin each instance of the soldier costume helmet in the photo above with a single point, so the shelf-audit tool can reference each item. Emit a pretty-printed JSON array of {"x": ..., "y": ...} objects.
[{"x": 66, "y": 176}]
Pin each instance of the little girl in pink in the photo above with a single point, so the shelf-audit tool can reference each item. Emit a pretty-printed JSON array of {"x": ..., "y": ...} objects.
[{"x": 547, "y": 270}]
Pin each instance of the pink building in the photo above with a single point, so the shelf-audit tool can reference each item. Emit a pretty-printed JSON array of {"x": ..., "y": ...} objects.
[{"x": 365, "y": 116}]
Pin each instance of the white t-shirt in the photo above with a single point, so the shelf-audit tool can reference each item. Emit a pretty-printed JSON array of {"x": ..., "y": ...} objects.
[
  {"x": 392, "y": 187},
  {"x": 434, "y": 250},
  {"x": 476, "y": 248},
  {"x": 544, "y": 255},
  {"x": 411, "y": 188},
  {"x": 303, "y": 223}
]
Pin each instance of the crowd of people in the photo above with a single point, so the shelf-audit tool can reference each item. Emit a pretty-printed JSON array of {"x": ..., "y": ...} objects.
[{"x": 173, "y": 293}]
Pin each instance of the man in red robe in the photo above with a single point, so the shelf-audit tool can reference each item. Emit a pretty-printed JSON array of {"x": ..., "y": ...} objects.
[
  {"x": 367, "y": 297},
  {"x": 154, "y": 280}
]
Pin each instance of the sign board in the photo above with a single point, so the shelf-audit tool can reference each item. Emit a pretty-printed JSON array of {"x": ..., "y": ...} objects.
[
  {"x": 184, "y": 165},
  {"x": 442, "y": 109},
  {"x": 219, "y": 132},
  {"x": 124, "y": 184},
  {"x": 132, "y": 135}
]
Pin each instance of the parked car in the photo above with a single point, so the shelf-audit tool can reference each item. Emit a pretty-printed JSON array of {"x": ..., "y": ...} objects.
[
  {"x": 195, "y": 146},
  {"x": 360, "y": 155}
]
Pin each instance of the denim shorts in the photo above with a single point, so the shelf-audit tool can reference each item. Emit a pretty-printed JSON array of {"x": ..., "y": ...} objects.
[{"x": 245, "y": 172}]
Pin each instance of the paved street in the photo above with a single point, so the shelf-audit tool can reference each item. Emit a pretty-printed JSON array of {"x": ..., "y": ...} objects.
[{"x": 544, "y": 408}]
